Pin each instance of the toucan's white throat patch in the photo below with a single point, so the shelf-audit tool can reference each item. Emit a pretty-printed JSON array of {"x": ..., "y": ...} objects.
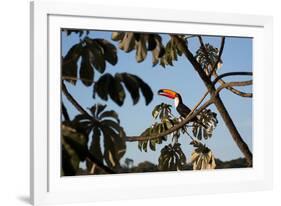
[{"x": 177, "y": 101}]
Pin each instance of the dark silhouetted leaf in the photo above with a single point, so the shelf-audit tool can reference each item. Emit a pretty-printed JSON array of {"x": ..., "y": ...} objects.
[
  {"x": 69, "y": 63},
  {"x": 172, "y": 158},
  {"x": 74, "y": 149},
  {"x": 102, "y": 86},
  {"x": 110, "y": 52},
  {"x": 116, "y": 92},
  {"x": 110, "y": 114},
  {"x": 151, "y": 43},
  {"x": 131, "y": 84},
  {"x": 86, "y": 69},
  {"x": 146, "y": 90},
  {"x": 207, "y": 122},
  {"x": 107, "y": 84},
  {"x": 95, "y": 147},
  {"x": 98, "y": 54}
]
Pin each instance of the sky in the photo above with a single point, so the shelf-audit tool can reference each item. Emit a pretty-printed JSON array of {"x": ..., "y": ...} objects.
[{"x": 182, "y": 78}]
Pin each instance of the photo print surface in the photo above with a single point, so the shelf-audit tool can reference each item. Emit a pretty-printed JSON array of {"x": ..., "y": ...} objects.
[{"x": 135, "y": 102}]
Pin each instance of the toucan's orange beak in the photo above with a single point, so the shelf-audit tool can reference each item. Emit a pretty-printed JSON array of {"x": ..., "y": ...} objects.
[{"x": 167, "y": 93}]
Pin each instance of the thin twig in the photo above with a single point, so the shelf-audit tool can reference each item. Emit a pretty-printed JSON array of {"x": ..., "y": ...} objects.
[
  {"x": 233, "y": 90},
  {"x": 64, "y": 112},
  {"x": 232, "y": 84},
  {"x": 231, "y": 74},
  {"x": 76, "y": 78},
  {"x": 75, "y": 103}
]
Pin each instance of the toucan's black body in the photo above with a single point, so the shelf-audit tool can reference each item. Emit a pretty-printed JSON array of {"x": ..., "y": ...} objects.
[{"x": 181, "y": 108}]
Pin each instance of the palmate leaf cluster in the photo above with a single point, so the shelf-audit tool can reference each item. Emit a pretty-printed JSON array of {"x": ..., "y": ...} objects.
[
  {"x": 163, "y": 113},
  {"x": 172, "y": 157},
  {"x": 99, "y": 135},
  {"x": 143, "y": 43},
  {"x": 113, "y": 87},
  {"x": 207, "y": 56},
  {"x": 94, "y": 54},
  {"x": 202, "y": 157},
  {"x": 204, "y": 128},
  {"x": 107, "y": 132}
]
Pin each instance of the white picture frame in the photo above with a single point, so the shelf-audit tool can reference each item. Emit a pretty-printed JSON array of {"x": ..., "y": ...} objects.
[{"x": 47, "y": 18}]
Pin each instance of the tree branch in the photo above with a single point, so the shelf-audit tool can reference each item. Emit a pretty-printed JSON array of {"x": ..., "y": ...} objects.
[
  {"x": 233, "y": 90},
  {"x": 231, "y": 74},
  {"x": 232, "y": 84},
  {"x": 64, "y": 112},
  {"x": 76, "y": 78},
  {"x": 75, "y": 103}
]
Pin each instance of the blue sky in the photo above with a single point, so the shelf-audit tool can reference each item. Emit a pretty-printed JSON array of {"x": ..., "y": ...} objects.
[{"x": 237, "y": 56}]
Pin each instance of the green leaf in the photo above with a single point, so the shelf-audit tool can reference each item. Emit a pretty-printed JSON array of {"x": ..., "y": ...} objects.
[
  {"x": 204, "y": 127},
  {"x": 141, "y": 50},
  {"x": 152, "y": 145},
  {"x": 156, "y": 111},
  {"x": 144, "y": 145},
  {"x": 171, "y": 158},
  {"x": 117, "y": 36},
  {"x": 128, "y": 42},
  {"x": 203, "y": 158}
]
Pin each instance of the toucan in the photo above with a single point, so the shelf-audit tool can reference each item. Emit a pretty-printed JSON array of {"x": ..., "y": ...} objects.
[{"x": 181, "y": 108}]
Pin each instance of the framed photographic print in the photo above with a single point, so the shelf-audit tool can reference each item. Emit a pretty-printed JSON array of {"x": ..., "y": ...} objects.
[{"x": 167, "y": 104}]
